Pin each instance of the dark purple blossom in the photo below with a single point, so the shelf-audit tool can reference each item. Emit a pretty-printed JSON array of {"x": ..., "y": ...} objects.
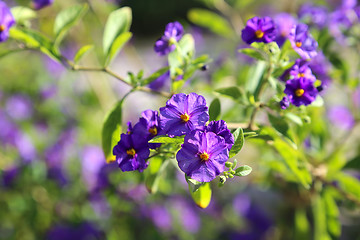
[
  {"x": 316, "y": 15},
  {"x": 131, "y": 152},
  {"x": 148, "y": 126},
  {"x": 19, "y": 107},
  {"x": 83, "y": 231},
  {"x": 203, "y": 155},
  {"x": 341, "y": 117},
  {"x": 259, "y": 30},
  {"x": 183, "y": 113},
  {"x": 302, "y": 42},
  {"x": 301, "y": 69},
  {"x": 6, "y": 21},
  {"x": 173, "y": 33},
  {"x": 159, "y": 83},
  {"x": 39, "y": 4},
  {"x": 284, "y": 23},
  {"x": 300, "y": 91},
  {"x": 220, "y": 129},
  {"x": 9, "y": 176},
  {"x": 284, "y": 103}
]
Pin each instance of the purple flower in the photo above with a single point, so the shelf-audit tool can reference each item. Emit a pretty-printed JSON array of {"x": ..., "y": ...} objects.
[
  {"x": 284, "y": 103},
  {"x": 92, "y": 160},
  {"x": 159, "y": 83},
  {"x": 302, "y": 42},
  {"x": 300, "y": 91},
  {"x": 173, "y": 33},
  {"x": 160, "y": 217},
  {"x": 81, "y": 232},
  {"x": 320, "y": 67},
  {"x": 148, "y": 126},
  {"x": 9, "y": 176},
  {"x": 131, "y": 152},
  {"x": 183, "y": 113},
  {"x": 6, "y": 21},
  {"x": 259, "y": 30},
  {"x": 220, "y": 129},
  {"x": 19, "y": 107},
  {"x": 341, "y": 117},
  {"x": 203, "y": 155},
  {"x": 39, "y": 4},
  {"x": 312, "y": 14},
  {"x": 187, "y": 213},
  {"x": 284, "y": 23},
  {"x": 301, "y": 69}
]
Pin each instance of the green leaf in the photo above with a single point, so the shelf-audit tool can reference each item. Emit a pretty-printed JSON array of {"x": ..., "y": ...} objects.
[
  {"x": 154, "y": 76},
  {"x": 187, "y": 45},
  {"x": 349, "y": 184},
  {"x": 279, "y": 124},
  {"x": 332, "y": 213},
  {"x": 290, "y": 156},
  {"x": 82, "y": 52},
  {"x": 302, "y": 226},
  {"x": 232, "y": 92},
  {"x": 239, "y": 142},
  {"x": 243, "y": 171},
  {"x": 154, "y": 173},
  {"x": 23, "y": 14},
  {"x": 319, "y": 212},
  {"x": 166, "y": 139},
  {"x": 212, "y": 21},
  {"x": 202, "y": 196},
  {"x": 33, "y": 39},
  {"x": 193, "y": 184},
  {"x": 353, "y": 164},
  {"x": 214, "y": 109},
  {"x": 118, "y": 23},
  {"x": 111, "y": 131},
  {"x": 294, "y": 118},
  {"x": 117, "y": 45},
  {"x": 253, "y": 53},
  {"x": 66, "y": 19}
]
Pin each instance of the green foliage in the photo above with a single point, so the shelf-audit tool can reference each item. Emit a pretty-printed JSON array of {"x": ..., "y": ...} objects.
[
  {"x": 243, "y": 171},
  {"x": 239, "y": 142},
  {"x": 193, "y": 184},
  {"x": 23, "y": 14},
  {"x": 111, "y": 131},
  {"x": 82, "y": 52},
  {"x": 212, "y": 21},
  {"x": 166, "y": 139},
  {"x": 202, "y": 196},
  {"x": 116, "y": 32},
  {"x": 154, "y": 173},
  {"x": 67, "y": 19},
  {"x": 253, "y": 53},
  {"x": 232, "y": 92},
  {"x": 154, "y": 76},
  {"x": 214, "y": 109}
]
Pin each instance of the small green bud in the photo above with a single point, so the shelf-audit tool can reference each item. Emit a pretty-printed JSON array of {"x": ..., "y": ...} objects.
[
  {"x": 232, "y": 171},
  {"x": 172, "y": 41},
  {"x": 222, "y": 179},
  {"x": 228, "y": 164},
  {"x": 234, "y": 164},
  {"x": 230, "y": 175}
]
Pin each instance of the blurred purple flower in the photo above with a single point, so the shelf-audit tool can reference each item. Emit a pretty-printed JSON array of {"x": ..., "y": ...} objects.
[
  {"x": 9, "y": 175},
  {"x": 160, "y": 216},
  {"x": 259, "y": 30},
  {"x": 183, "y": 113},
  {"x": 203, "y": 155},
  {"x": 341, "y": 117},
  {"x": 25, "y": 147},
  {"x": 315, "y": 15},
  {"x": 188, "y": 214},
  {"x": 320, "y": 67},
  {"x": 160, "y": 82},
  {"x": 301, "y": 91},
  {"x": 302, "y": 42},
  {"x": 84, "y": 231},
  {"x": 259, "y": 222},
  {"x": 92, "y": 160},
  {"x": 39, "y": 4},
  {"x": 6, "y": 21},
  {"x": 9, "y": 130},
  {"x": 48, "y": 92},
  {"x": 19, "y": 107},
  {"x": 284, "y": 23},
  {"x": 284, "y": 103},
  {"x": 173, "y": 33}
]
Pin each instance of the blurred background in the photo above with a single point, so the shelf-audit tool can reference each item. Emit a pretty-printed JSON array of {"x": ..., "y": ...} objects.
[{"x": 55, "y": 182}]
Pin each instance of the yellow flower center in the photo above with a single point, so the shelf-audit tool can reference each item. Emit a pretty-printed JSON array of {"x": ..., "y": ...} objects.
[
  {"x": 259, "y": 34},
  {"x": 185, "y": 117},
  {"x": 204, "y": 156},
  {"x": 301, "y": 75},
  {"x": 153, "y": 131},
  {"x": 298, "y": 44},
  {"x": 131, "y": 152},
  {"x": 2, "y": 27},
  {"x": 299, "y": 92}
]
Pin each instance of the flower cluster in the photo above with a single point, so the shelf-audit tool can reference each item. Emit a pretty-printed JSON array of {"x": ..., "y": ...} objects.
[
  {"x": 39, "y": 4},
  {"x": 206, "y": 147}
]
